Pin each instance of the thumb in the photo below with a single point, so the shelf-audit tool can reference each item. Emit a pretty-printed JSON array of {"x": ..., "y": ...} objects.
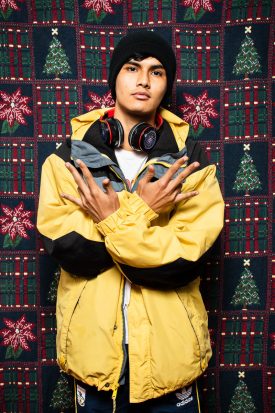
[
  {"x": 108, "y": 186},
  {"x": 149, "y": 174}
]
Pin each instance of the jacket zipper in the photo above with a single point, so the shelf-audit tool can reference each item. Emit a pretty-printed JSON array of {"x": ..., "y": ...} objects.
[
  {"x": 114, "y": 394},
  {"x": 120, "y": 178},
  {"x": 151, "y": 162}
]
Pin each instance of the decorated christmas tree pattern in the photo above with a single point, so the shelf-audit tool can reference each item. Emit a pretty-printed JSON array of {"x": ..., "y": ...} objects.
[
  {"x": 52, "y": 293},
  {"x": 247, "y": 178},
  {"x": 62, "y": 397},
  {"x": 98, "y": 9},
  {"x": 247, "y": 60},
  {"x": 57, "y": 62},
  {"x": 8, "y": 6},
  {"x": 197, "y": 8},
  {"x": 246, "y": 292},
  {"x": 242, "y": 401}
]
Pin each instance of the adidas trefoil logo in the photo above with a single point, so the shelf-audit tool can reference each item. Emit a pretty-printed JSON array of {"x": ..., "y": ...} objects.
[{"x": 184, "y": 396}]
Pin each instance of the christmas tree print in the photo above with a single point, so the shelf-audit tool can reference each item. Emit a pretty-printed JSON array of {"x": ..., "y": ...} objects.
[
  {"x": 247, "y": 178},
  {"x": 56, "y": 60},
  {"x": 247, "y": 60},
  {"x": 52, "y": 294},
  {"x": 62, "y": 397},
  {"x": 246, "y": 292},
  {"x": 242, "y": 401}
]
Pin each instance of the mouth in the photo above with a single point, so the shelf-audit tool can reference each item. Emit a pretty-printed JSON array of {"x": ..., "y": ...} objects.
[{"x": 141, "y": 95}]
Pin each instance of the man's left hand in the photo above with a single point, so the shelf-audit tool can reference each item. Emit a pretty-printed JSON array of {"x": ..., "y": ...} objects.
[{"x": 93, "y": 200}]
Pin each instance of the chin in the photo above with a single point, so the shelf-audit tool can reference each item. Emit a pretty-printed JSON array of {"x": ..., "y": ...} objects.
[{"x": 141, "y": 109}]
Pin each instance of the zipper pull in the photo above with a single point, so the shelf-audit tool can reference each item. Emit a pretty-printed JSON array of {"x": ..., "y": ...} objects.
[{"x": 114, "y": 395}]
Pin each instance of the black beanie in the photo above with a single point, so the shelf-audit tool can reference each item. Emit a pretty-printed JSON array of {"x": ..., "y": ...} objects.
[{"x": 146, "y": 43}]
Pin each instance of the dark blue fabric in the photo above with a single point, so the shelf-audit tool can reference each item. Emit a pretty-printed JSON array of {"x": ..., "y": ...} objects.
[{"x": 182, "y": 401}]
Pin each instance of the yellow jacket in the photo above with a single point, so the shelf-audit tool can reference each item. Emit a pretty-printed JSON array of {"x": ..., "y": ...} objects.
[{"x": 169, "y": 343}]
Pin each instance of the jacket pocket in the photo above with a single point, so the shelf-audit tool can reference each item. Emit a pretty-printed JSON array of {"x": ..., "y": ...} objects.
[
  {"x": 192, "y": 301},
  {"x": 67, "y": 301},
  {"x": 190, "y": 317}
]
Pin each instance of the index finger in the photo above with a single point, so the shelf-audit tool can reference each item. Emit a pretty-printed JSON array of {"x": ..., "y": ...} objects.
[
  {"x": 81, "y": 181},
  {"x": 86, "y": 174},
  {"x": 187, "y": 171},
  {"x": 174, "y": 168}
]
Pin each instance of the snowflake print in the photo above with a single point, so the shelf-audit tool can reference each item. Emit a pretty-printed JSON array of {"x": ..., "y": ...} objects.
[
  {"x": 99, "y": 8},
  {"x": 197, "y": 8},
  {"x": 16, "y": 336},
  {"x": 97, "y": 101},
  {"x": 198, "y": 111},
  {"x": 14, "y": 224},
  {"x": 8, "y": 6},
  {"x": 12, "y": 109}
]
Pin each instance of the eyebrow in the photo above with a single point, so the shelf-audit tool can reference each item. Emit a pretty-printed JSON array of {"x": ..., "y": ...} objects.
[{"x": 137, "y": 63}]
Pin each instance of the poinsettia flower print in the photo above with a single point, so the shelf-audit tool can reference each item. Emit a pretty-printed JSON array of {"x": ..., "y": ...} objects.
[
  {"x": 12, "y": 109},
  {"x": 7, "y": 7},
  {"x": 100, "y": 7},
  {"x": 105, "y": 101},
  {"x": 198, "y": 111},
  {"x": 16, "y": 336},
  {"x": 197, "y": 8},
  {"x": 14, "y": 224}
]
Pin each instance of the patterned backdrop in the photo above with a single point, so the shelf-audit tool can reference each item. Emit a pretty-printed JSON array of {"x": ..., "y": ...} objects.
[{"x": 54, "y": 56}]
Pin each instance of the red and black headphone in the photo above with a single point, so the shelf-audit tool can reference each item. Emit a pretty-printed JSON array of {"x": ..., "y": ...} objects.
[{"x": 142, "y": 137}]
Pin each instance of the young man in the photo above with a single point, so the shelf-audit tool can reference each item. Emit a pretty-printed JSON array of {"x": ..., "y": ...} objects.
[{"x": 129, "y": 208}]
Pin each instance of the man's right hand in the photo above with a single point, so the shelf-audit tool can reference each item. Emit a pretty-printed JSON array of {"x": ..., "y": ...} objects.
[{"x": 162, "y": 194}]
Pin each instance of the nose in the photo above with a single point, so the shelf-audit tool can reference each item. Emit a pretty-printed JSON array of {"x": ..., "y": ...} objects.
[{"x": 143, "y": 79}]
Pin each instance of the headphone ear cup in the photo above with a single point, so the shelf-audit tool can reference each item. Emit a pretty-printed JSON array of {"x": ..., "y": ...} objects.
[
  {"x": 143, "y": 137},
  {"x": 112, "y": 132}
]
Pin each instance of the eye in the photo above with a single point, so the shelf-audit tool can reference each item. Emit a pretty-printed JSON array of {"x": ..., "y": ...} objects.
[
  {"x": 157, "y": 73},
  {"x": 131, "y": 68}
]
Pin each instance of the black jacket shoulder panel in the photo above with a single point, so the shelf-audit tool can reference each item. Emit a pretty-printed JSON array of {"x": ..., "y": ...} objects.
[
  {"x": 169, "y": 276},
  {"x": 166, "y": 142},
  {"x": 64, "y": 151},
  {"x": 196, "y": 153},
  {"x": 93, "y": 136},
  {"x": 78, "y": 255}
]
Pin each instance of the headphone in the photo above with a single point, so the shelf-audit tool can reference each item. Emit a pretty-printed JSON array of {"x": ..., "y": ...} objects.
[{"x": 142, "y": 137}]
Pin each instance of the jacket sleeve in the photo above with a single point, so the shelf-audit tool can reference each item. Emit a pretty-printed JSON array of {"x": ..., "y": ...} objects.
[
  {"x": 166, "y": 256},
  {"x": 69, "y": 235}
]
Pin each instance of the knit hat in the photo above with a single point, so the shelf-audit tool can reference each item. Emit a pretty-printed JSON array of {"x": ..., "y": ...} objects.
[{"x": 146, "y": 43}]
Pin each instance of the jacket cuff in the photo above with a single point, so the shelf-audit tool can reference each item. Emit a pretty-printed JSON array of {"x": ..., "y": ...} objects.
[{"x": 136, "y": 206}]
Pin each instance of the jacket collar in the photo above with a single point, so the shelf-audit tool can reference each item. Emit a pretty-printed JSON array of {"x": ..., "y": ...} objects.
[{"x": 173, "y": 133}]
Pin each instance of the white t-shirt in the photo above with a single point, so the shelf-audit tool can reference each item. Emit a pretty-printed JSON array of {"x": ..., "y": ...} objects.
[{"x": 130, "y": 162}]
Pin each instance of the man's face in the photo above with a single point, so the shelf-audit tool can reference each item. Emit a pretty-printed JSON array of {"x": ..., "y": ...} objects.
[{"x": 140, "y": 87}]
